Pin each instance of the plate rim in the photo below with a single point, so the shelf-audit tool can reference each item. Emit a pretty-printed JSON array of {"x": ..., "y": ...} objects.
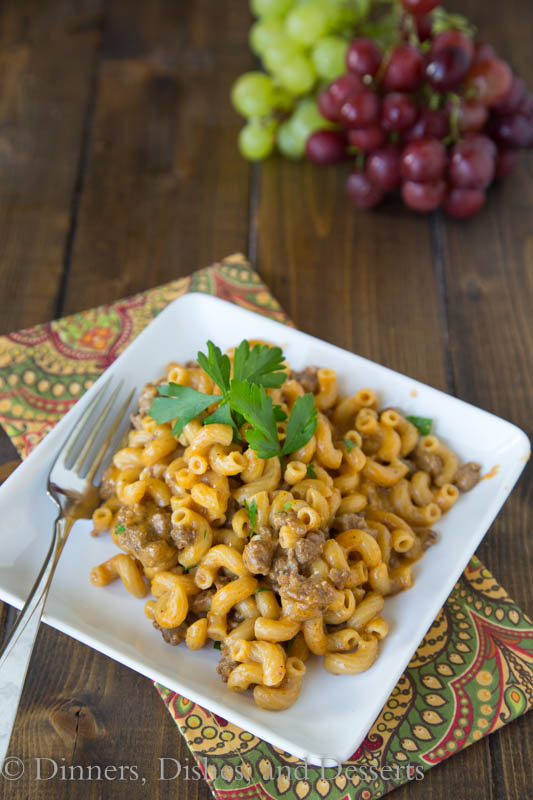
[{"x": 234, "y": 715}]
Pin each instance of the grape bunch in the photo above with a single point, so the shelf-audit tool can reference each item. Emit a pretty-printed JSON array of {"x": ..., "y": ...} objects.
[{"x": 408, "y": 96}]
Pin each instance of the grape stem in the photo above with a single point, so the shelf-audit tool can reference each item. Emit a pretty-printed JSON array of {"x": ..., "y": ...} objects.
[
  {"x": 455, "y": 133},
  {"x": 412, "y": 32},
  {"x": 360, "y": 160}
]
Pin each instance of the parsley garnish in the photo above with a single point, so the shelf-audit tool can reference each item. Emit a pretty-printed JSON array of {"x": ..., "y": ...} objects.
[
  {"x": 311, "y": 471},
  {"x": 243, "y": 398},
  {"x": 286, "y": 507},
  {"x": 119, "y": 529},
  {"x": 251, "y": 509},
  {"x": 424, "y": 424},
  {"x": 257, "y": 408},
  {"x": 349, "y": 444},
  {"x": 263, "y": 589},
  {"x": 181, "y": 403},
  {"x": 262, "y": 365},
  {"x": 216, "y": 645},
  {"x": 188, "y": 569}
]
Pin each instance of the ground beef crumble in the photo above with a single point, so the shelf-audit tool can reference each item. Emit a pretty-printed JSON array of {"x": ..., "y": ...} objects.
[
  {"x": 467, "y": 476},
  {"x": 309, "y": 548},
  {"x": 173, "y": 636},
  {"x": 308, "y": 379},
  {"x": 257, "y": 554},
  {"x": 182, "y": 536},
  {"x": 226, "y": 664}
]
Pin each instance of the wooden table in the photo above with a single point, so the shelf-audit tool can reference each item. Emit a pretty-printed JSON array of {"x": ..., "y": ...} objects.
[{"x": 119, "y": 170}]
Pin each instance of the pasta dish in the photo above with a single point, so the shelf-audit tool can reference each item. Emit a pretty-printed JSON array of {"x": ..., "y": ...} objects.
[{"x": 270, "y": 516}]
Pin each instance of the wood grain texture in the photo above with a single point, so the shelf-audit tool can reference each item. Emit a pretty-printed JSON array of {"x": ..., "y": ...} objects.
[
  {"x": 46, "y": 57},
  {"x": 165, "y": 190},
  {"x": 144, "y": 184}
]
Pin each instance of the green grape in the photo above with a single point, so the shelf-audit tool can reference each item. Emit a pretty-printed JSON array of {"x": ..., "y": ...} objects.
[
  {"x": 256, "y": 140},
  {"x": 343, "y": 16},
  {"x": 307, "y": 119},
  {"x": 264, "y": 33},
  {"x": 329, "y": 57},
  {"x": 290, "y": 143},
  {"x": 279, "y": 52},
  {"x": 252, "y": 94},
  {"x": 306, "y": 23},
  {"x": 268, "y": 8},
  {"x": 297, "y": 75},
  {"x": 282, "y": 99}
]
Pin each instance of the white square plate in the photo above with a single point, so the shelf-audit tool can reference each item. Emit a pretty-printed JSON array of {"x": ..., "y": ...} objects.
[{"x": 113, "y": 622}]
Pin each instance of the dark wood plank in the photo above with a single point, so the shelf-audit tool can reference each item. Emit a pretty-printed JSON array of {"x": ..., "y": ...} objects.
[
  {"x": 488, "y": 265},
  {"x": 46, "y": 57},
  {"x": 166, "y": 192},
  {"x": 339, "y": 272},
  {"x": 80, "y": 708}
]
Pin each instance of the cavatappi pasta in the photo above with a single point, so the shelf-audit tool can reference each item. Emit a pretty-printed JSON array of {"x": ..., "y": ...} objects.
[{"x": 335, "y": 529}]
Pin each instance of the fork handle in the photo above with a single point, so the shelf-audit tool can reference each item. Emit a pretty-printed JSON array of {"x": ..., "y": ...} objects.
[{"x": 16, "y": 652}]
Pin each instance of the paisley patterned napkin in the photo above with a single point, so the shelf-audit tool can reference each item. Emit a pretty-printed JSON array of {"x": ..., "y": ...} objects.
[{"x": 472, "y": 673}]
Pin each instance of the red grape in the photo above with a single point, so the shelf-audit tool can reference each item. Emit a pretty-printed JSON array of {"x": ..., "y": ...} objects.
[
  {"x": 423, "y": 160},
  {"x": 471, "y": 116},
  {"x": 484, "y": 50},
  {"x": 491, "y": 78},
  {"x": 424, "y": 25},
  {"x": 514, "y": 130},
  {"x": 398, "y": 111},
  {"x": 423, "y": 196},
  {"x": 360, "y": 109},
  {"x": 362, "y": 191},
  {"x": 367, "y": 139},
  {"x": 420, "y": 6},
  {"x": 327, "y": 106},
  {"x": 526, "y": 106},
  {"x": 453, "y": 38},
  {"x": 383, "y": 167},
  {"x": 472, "y": 163},
  {"x": 510, "y": 102},
  {"x": 483, "y": 142},
  {"x": 447, "y": 68},
  {"x": 463, "y": 203},
  {"x": 341, "y": 87},
  {"x": 404, "y": 72},
  {"x": 506, "y": 161},
  {"x": 431, "y": 122},
  {"x": 363, "y": 57},
  {"x": 326, "y": 147}
]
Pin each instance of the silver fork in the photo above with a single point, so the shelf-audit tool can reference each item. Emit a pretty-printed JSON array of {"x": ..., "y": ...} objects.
[{"x": 70, "y": 487}]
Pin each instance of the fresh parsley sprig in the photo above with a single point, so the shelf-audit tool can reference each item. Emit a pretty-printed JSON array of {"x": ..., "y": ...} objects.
[
  {"x": 253, "y": 403},
  {"x": 242, "y": 398},
  {"x": 181, "y": 403}
]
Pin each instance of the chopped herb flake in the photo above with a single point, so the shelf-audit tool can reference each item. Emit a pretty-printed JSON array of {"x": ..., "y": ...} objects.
[
  {"x": 119, "y": 529},
  {"x": 311, "y": 471},
  {"x": 424, "y": 424},
  {"x": 350, "y": 444},
  {"x": 217, "y": 645},
  {"x": 251, "y": 509}
]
